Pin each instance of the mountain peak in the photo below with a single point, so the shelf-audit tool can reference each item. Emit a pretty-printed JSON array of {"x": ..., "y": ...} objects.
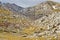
[
  {"x": 44, "y": 8},
  {"x": 11, "y": 6},
  {"x": 51, "y": 2}
]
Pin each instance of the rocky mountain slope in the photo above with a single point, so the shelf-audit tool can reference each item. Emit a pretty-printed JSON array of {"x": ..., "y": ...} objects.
[
  {"x": 12, "y": 7},
  {"x": 49, "y": 23},
  {"x": 40, "y": 22},
  {"x": 40, "y": 10},
  {"x": 10, "y": 21}
]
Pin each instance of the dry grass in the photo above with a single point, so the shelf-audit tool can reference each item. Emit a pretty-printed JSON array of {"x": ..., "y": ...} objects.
[{"x": 9, "y": 36}]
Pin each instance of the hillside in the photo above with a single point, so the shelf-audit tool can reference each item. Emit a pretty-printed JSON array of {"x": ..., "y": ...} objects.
[
  {"x": 12, "y": 7},
  {"x": 40, "y": 22},
  {"x": 9, "y": 19},
  {"x": 41, "y": 10}
]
